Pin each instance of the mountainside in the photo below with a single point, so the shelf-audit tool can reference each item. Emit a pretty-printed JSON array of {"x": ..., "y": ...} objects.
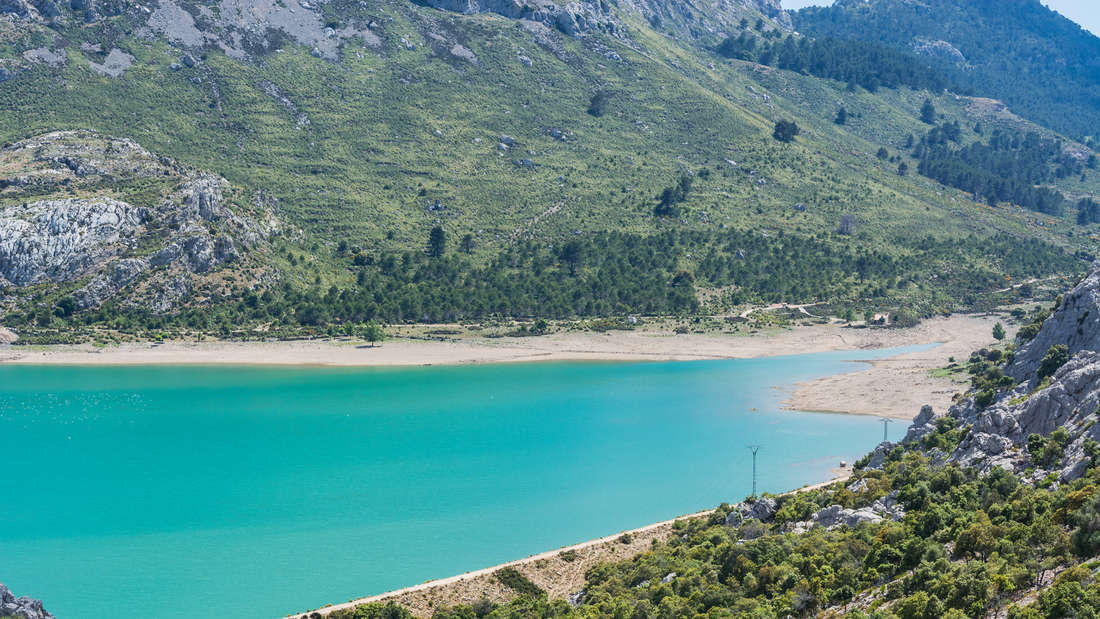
[
  {"x": 579, "y": 159},
  {"x": 1043, "y": 65}
]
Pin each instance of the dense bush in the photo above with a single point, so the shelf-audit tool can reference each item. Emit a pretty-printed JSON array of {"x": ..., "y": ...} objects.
[{"x": 511, "y": 578}]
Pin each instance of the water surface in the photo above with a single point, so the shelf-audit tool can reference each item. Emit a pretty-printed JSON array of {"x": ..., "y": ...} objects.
[{"x": 166, "y": 491}]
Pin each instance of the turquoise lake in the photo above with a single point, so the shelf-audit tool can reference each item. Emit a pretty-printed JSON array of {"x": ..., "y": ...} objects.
[{"x": 171, "y": 491}]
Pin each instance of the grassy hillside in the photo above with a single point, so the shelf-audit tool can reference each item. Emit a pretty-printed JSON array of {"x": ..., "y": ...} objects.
[{"x": 481, "y": 125}]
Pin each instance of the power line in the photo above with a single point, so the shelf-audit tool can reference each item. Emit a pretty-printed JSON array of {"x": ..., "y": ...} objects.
[
  {"x": 885, "y": 423},
  {"x": 754, "y": 448}
]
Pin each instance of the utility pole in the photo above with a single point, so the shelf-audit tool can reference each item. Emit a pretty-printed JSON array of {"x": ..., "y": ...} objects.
[
  {"x": 885, "y": 423},
  {"x": 754, "y": 448}
]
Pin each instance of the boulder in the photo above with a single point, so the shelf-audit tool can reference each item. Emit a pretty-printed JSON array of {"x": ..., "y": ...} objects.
[
  {"x": 889, "y": 507},
  {"x": 762, "y": 509},
  {"x": 923, "y": 424},
  {"x": 464, "y": 53},
  {"x": 878, "y": 456}
]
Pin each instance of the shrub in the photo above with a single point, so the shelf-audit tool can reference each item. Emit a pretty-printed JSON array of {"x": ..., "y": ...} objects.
[
  {"x": 517, "y": 582},
  {"x": 1056, "y": 357},
  {"x": 786, "y": 130}
]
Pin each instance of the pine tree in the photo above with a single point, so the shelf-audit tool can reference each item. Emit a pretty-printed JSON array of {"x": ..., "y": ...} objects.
[
  {"x": 437, "y": 242},
  {"x": 928, "y": 112}
]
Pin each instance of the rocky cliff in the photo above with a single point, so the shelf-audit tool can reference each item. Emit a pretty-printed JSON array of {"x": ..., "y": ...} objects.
[
  {"x": 23, "y": 607},
  {"x": 100, "y": 216},
  {"x": 1044, "y": 425}
]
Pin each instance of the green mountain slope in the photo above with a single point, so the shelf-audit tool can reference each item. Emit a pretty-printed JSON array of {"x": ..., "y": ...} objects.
[
  {"x": 1043, "y": 65},
  {"x": 365, "y": 125}
]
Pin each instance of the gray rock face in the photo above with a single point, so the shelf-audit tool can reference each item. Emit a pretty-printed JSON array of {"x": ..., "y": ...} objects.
[
  {"x": 923, "y": 424},
  {"x": 833, "y": 516},
  {"x": 107, "y": 241},
  {"x": 115, "y": 64},
  {"x": 763, "y": 509},
  {"x": 46, "y": 56},
  {"x": 878, "y": 456},
  {"x": 997, "y": 434},
  {"x": 464, "y": 53},
  {"x": 60, "y": 240},
  {"x": 202, "y": 199},
  {"x": 106, "y": 285},
  {"x": 1076, "y": 324},
  {"x": 888, "y": 507},
  {"x": 574, "y": 18},
  {"x": 24, "y": 607},
  {"x": 938, "y": 49}
]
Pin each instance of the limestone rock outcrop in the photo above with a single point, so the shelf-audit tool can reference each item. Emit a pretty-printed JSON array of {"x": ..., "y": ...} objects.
[
  {"x": 762, "y": 509},
  {"x": 1068, "y": 398},
  {"x": 1075, "y": 324},
  {"x": 104, "y": 244},
  {"x": 60, "y": 240},
  {"x": 22, "y": 607}
]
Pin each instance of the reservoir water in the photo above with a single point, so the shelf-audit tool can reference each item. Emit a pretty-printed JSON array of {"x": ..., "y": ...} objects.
[{"x": 191, "y": 491}]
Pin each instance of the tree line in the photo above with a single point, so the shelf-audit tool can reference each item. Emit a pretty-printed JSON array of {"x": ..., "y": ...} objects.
[
  {"x": 1008, "y": 168},
  {"x": 599, "y": 275},
  {"x": 858, "y": 63}
]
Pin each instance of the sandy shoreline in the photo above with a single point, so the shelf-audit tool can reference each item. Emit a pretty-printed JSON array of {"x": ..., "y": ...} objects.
[
  {"x": 572, "y": 346},
  {"x": 895, "y": 387}
]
